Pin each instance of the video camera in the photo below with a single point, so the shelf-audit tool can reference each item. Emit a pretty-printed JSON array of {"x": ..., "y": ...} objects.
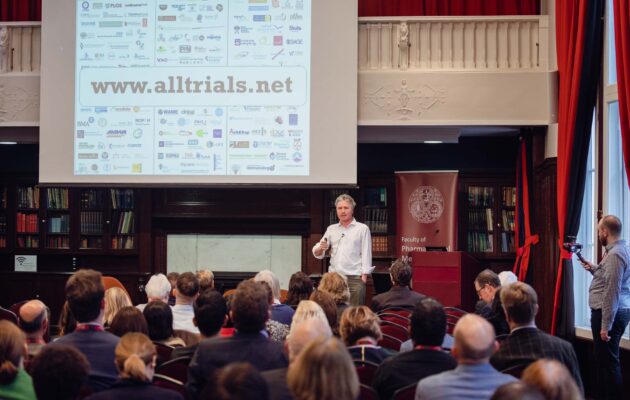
[{"x": 574, "y": 247}]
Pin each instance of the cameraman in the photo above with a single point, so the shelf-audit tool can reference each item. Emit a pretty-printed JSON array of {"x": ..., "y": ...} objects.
[{"x": 609, "y": 299}]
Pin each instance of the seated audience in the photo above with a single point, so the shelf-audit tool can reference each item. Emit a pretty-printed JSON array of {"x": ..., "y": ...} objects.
[
  {"x": 474, "y": 378},
  {"x": 302, "y": 332},
  {"x": 323, "y": 371},
  {"x": 172, "y": 278},
  {"x": 186, "y": 291},
  {"x": 308, "y": 309},
  {"x": 210, "y": 315},
  {"x": 517, "y": 391},
  {"x": 115, "y": 299},
  {"x": 15, "y": 383},
  {"x": 135, "y": 361},
  {"x": 85, "y": 293},
  {"x": 427, "y": 328},
  {"x": 159, "y": 319},
  {"x": 327, "y": 304},
  {"x": 300, "y": 288},
  {"x": 488, "y": 287},
  {"x": 400, "y": 295},
  {"x": 34, "y": 316},
  {"x": 66, "y": 323},
  {"x": 279, "y": 312},
  {"x": 553, "y": 379},
  {"x": 206, "y": 280},
  {"x": 239, "y": 381},
  {"x": 360, "y": 331},
  {"x": 249, "y": 310},
  {"x": 337, "y": 286},
  {"x": 129, "y": 319},
  {"x": 59, "y": 372},
  {"x": 277, "y": 331},
  {"x": 527, "y": 343},
  {"x": 157, "y": 289}
]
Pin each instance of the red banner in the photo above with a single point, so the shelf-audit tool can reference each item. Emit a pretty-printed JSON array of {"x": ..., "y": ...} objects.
[{"x": 426, "y": 211}]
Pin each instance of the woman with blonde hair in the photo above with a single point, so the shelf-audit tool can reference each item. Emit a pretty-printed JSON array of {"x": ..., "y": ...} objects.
[
  {"x": 308, "y": 309},
  {"x": 360, "y": 331},
  {"x": 337, "y": 286},
  {"x": 115, "y": 299},
  {"x": 15, "y": 383},
  {"x": 135, "y": 358},
  {"x": 323, "y": 371}
]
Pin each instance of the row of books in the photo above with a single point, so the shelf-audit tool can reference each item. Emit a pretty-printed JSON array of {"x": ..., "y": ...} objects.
[
  {"x": 509, "y": 196},
  {"x": 380, "y": 244},
  {"x": 3, "y": 223},
  {"x": 28, "y": 242},
  {"x": 480, "y": 196},
  {"x": 91, "y": 243},
  {"x": 125, "y": 242},
  {"x": 124, "y": 222},
  {"x": 59, "y": 224},
  {"x": 376, "y": 219},
  {"x": 91, "y": 198},
  {"x": 27, "y": 223},
  {"x": 91, "y": 222},
  {"x": 480, "y": 242},
  {"x": 59, "y": 242},
  {"x": 57, "y": 198},
  {"x": 508, "y": 219},
  {"x": 480, "y": 219},
  {"x": 3, "y": 241},
  {"x": 507, "y": 242},
  {"x": 28, "y": 197},
  {"x": 122, "y": 198}
]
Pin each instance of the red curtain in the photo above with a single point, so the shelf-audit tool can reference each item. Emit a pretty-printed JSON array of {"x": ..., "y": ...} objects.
[
  {"x": 378, "y": 8},
  {"x": 622, "y": 47},
  {"x": 20, "y": 10}
]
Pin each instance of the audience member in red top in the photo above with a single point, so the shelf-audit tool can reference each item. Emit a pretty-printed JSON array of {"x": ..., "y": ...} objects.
[
  {"x": 34, "y": 317},
  {"x": 59, "y": 372}
]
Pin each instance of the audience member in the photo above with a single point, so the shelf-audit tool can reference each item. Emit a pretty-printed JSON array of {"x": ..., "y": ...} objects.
[
  {"x": 323, "y": 371},
  {"x": 115, "y": 299},
  {"x": 15, "y": 383},
  {"x": 302, "y": 332},
  {"x": 553, "y": 379},
  {"x": 337, "y": 286},
  {"x": 507, "y": 278},
  {"x": 210, "y": 315},
  {"x": 308, "y": 309},
  {"x": 300, "y": 288},
  {"x": 157, "y": 289},
  {"x": 159, "y": 319},
  {"x": 67, "y": 323},
  {"x": 517, "y": 391},
  {"x": 249, "y": 311},
  {"x": 427, "y": 329},
  {"x": 85, "y": 293},
  {"x": 135, "y": 360},
  {"x": 34, "y": 317},
  {"x": 474, "y": 377},
  {"x": 327, "y": 304},
  {"x": 488, "y": 287},
  {"x": 240, "y": 381},
  {"x": 360, "y": 331},
  {"x": 527, "y": 343},
  {"x": 186, "y": 291},
  {"x": 129, "y": 319},
  {"x": 279, "y": 312},
  {"x": 172, "y": 278},
  {"x": 206, "y": 280},
  {"x": 400, "y": 295},
  {"x": 59, "y": 372},
  {"x": 277, "y": 331}
]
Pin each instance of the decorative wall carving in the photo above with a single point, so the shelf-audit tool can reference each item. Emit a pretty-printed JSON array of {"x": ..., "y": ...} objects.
[
  {"x": 405, "y": 102},
  {"x": 19, "y": 100}
]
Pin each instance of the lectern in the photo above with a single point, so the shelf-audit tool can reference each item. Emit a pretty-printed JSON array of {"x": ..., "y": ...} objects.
[{"x": 446, "y": 276}]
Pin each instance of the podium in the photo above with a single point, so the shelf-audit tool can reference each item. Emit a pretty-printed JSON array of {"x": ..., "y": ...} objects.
[{"x": 446, "y": 276}]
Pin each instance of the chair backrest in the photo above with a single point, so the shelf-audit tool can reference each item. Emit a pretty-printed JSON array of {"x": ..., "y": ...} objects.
[
  {"x": 110, "y": 282},
  {"x": 450, "y": 326},
  {"x": 396, "y": 330},
  {"x": 403, "y": 312},
  {"x": 516, "y": 370},
  {"x": 454, "y": 311},
  {"x": 395, "y": 318},
  {"x": 176, "y": 368},
  {"x": 163, "y": 352},
  {"x": 169, "y": 383},
  {"x": 8, "y": 315},
  {"x": 367, "y": 393},
  {"x": 406, "y": 392},
  {"x": 15, "y": 308},
  {"x": 365, "y": 371},
  {"x": 390, "y": 342},
  {"x": 187, "y": 336}
]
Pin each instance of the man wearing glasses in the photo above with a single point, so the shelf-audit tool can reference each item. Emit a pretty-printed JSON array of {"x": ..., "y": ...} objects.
[{"x": 488, "y": 286}]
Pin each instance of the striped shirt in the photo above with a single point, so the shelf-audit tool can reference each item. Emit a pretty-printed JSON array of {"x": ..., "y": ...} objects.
[{"x": 610, "y": 289}]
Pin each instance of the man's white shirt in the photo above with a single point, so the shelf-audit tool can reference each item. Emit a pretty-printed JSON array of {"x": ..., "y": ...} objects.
[{"x": 350, "y": 248}]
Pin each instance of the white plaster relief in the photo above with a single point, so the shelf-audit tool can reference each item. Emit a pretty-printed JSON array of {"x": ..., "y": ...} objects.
[
  {"x": 19, "y": 100},
  {"x": 405, "y": 102}
]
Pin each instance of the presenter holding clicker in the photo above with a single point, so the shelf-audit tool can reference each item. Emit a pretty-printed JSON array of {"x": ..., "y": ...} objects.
[{"x": 349, "y": 245}]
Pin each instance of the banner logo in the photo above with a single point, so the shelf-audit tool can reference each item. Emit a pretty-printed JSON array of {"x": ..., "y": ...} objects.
[{"x": 426, "y": 204}]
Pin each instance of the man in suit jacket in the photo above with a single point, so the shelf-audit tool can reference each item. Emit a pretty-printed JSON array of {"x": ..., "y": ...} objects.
[
  {"x": 526, "y": 342},
  {"x": 250, "y": 343},
  {"x": 427, "y": 329},
  {"x": 84, "y": 293},
  {"x": 400, "y": 295},
  {"x": 488, "y": 288}
]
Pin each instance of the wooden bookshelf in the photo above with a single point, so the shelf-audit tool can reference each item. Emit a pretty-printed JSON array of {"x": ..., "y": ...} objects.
[{"x": 27, "y": 217}]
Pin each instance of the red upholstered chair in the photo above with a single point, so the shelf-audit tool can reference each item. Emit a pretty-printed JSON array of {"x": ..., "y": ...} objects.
[
  {"x": 15, "y": 308},
  {"x": 396, "y": 330},
  {"x": 169, "y": 383},
  {"x": 390, "y": 342},
  {"x": 365, "y": 371},
  {"x": 8, "y": 315},
  {"x": 367, "y": 393},
  {"x": 110, "y": 281},
  {"x": 406, "y": 393},
  {"x": 163, "y": 352},
  {"x": 395, "y": 318},
  {"x": 403, "y": 312},
  {"x": 176, "y": 368}
]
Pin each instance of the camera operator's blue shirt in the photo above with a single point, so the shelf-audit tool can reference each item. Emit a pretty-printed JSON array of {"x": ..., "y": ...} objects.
[{"x": 610, "y": 289}]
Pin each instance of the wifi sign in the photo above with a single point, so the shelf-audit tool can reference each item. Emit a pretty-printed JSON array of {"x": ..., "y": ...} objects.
[
  {"x": 20, "y": 259},
  {"x": 26, "y": 263}
]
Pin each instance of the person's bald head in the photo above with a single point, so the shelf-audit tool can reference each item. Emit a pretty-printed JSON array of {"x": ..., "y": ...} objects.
[
  {"x": 33, "y": 317},
  {"x": 305, "y": 332},
  {"x": 474, "y": 340}
]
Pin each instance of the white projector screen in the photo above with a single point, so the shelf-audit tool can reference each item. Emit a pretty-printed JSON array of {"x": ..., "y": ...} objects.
[{"x": 171, "y": 92}]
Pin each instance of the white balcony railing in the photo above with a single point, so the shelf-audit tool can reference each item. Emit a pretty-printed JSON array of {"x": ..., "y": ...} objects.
[
  {"x": 453, "y": 43},
  {"x": 20, "y": 47}
]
